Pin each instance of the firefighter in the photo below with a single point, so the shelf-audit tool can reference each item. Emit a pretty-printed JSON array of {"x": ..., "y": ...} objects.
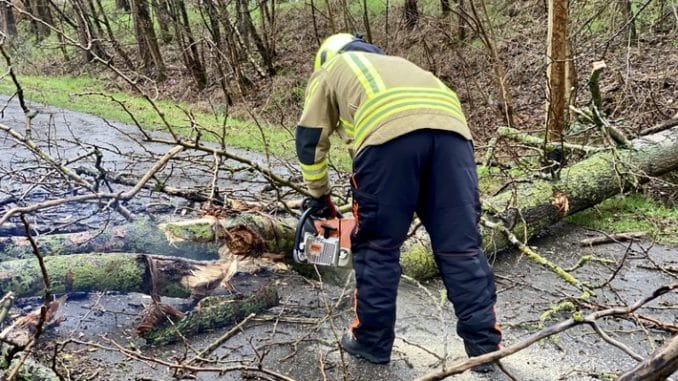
[{"x": 412, "y": 153}]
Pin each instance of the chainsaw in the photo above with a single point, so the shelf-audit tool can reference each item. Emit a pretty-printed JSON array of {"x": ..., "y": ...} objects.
[{"x": 324, "y": 242}]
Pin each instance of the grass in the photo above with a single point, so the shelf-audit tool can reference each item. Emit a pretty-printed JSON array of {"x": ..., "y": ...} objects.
[{"x": 631, "y": 213}]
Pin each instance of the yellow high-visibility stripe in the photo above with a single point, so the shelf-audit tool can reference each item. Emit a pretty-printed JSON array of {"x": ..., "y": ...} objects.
[
  {"x": 314, "y": 171},
  {"x": 365, "y": 72},
  {"x": 364, "y": 128},
  {"x": 348, "y": 126},
  {"x": 402, "y": 93}
]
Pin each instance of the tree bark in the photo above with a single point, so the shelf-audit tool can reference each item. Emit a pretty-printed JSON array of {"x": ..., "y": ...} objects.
[
  {"x": 142, "y": 236},
  {"x": 147, "y": 42},
  {"x": 124, "y": 272},
  {"x": 40, "y": 9},
  {"x": 584, "y": 184},
  {"x": 8, "y": 20},
  {"x": 161, "y": 8},
  {"x": 250, "y": 31},
  {"x": 556, "y": 70},
  {"x": 659, "y": 366},
  {"x": 445, "y": 7},
  {"x": 122, "y": 4},
  {"x": 87, "y": 32},
  {"x": 212, "y": 313},
  {"x": 627, "y": 12},
  {"x": 410, "y": 13},
  {"x": 187, "y": 44}
]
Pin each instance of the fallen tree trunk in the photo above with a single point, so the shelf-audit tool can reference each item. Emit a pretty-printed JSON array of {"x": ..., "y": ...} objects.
[
  {"x": 142, "y": 236},
  {"x": 529, "y": 208},
  {"x": 525, "y": 209},
  {"x": 124, "y": 272}
]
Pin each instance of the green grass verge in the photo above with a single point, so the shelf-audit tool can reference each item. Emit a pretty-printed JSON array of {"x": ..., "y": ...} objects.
[{"x": 629, "y": 213}]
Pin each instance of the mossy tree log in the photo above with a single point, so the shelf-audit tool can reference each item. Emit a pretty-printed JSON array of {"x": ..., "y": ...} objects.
[
  {"x": 125, "y": 272},
  {"x": 213, "y": 312},
  {"x": 141, "y": 236},
  {"x": 530, "y": 207},
  {"x": 247, "y": 234},
  {"x": 525, "y": 209}
]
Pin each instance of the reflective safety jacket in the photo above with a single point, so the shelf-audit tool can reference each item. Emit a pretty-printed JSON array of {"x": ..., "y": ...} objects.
[{"x": 369, "y": 99}]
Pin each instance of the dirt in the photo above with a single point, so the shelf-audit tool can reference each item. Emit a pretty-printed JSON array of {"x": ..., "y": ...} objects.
[{"x": 425, "y": 330}]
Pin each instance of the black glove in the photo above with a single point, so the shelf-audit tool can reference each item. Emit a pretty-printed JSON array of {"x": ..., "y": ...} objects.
[{"x": 321, "y": 207}]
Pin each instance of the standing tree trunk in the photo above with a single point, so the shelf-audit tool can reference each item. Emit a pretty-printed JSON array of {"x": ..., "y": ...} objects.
[
  {"x": 114, "y": 42},
  {"x": 366, "y": 22},
  {"x": 218, "y": 50},
  {"x": 234, "y": 53},
  {"x": 445, "y": 7},
  {"x": 627, "y": 11},
  {"x": 245, "y": 18},
  {"x": 556, "y": 54},
  {"x": 187, "y": 44},
  {"x": 8, "y": 20},
  {"x": 487, "y": 35},
  {"x": 149, "y": 50},
  {"x": 87, "y": 33},
  {"x": 39, "y": 9},
  {"x": 330, "y": 16},
  {"x": 161, "y": 8},
  {"x": 267, "y": 20},
  {"x": 410, "y": 13},
  {"x": 461, "y": 32}
]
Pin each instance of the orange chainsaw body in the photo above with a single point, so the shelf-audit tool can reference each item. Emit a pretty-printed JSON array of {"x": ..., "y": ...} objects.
[
  {"x": 336, "y": 227},
  {"x": 329, "y": 244}
]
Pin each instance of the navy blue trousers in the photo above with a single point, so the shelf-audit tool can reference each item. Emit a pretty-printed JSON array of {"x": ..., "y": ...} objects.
[{"x": 433, "y": 173}]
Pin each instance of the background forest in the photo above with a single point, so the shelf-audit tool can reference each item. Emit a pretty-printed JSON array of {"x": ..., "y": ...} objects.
[{"x": 251, "y": 59}]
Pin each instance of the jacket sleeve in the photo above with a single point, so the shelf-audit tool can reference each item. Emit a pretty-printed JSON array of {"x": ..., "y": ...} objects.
[{"x": 318, "y": 120}]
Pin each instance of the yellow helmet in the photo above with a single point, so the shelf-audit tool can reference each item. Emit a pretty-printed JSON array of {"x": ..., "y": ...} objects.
[{"x": 331, "y": 47}]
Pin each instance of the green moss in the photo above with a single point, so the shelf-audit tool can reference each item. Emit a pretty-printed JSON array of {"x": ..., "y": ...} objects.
[
  {"x": 551, "y": 312},
  {"x": 174, "y": 290},
  {"x": 95, "y": 273},
  {"x": 418, "y": 262},
  {"x": 217, "y": 312},
  {"x": 102, "y": 272},
  {"x": 631, "y": 213},
  {"x": 193, "y": 231}
]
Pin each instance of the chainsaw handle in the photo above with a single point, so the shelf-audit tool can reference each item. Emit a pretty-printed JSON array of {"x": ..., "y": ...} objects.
[{"x": 298, "y": 233}]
